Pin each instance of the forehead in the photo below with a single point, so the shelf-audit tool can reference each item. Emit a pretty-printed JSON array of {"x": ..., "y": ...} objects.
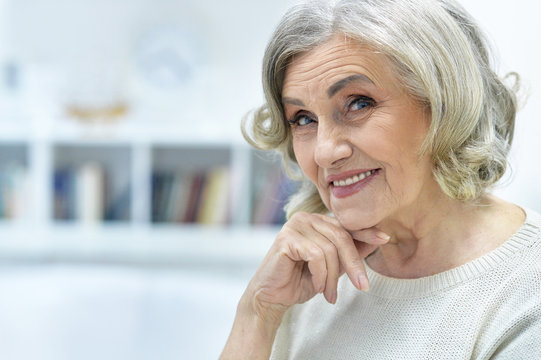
[{"x": 334, "y": 60}]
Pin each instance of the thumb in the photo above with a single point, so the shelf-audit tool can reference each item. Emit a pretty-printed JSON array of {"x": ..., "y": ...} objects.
[
  {"x": 365, "y": 249},
  {"x": 370, "y": 236}
]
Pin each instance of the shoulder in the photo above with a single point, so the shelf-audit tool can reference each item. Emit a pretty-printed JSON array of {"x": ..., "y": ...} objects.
[
  {"x": 521, "y": 277},
  {"x": 514, "y": 329},
  {"x": 512, "y": 325},
  {"x": 527, "y": 242}
]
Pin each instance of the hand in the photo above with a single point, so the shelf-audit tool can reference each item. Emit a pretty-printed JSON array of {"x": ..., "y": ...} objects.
[{"x": 309, "y": 255}]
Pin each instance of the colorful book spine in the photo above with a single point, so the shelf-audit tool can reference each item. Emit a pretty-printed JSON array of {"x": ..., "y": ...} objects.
[
  {"x": 83, "y": 194},
  {"x": 201, "y": 196}
]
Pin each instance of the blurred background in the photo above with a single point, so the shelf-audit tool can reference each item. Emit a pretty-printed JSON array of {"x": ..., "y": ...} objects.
[{"x": 132, "y": 213}]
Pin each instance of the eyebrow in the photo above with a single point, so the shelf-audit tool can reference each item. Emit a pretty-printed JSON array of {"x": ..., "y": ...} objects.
[
  {"x": 339, "y": 85},
  {"x": 292, "y": 101},
  {"x": 333, "y": 89}
]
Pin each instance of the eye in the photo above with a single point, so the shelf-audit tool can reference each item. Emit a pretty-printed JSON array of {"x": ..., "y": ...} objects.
[
  {"x": 360, "y": 102},
  {"x": 301, "y": 120}
]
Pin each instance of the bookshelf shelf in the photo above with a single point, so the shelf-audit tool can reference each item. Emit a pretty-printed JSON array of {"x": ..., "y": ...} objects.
[
  {"x": 180, "y": 245},
  {"x": 125, "y": 187}
]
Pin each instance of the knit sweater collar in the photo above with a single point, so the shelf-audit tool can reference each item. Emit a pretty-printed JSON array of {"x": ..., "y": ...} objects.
[{"x": 526, "y": 236}]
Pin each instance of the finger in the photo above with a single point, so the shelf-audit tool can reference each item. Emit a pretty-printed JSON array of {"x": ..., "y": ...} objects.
[
  {"x": 333, "y": 265},
  {"x": 364, "y": 249},
  {"x": 366, "y": 242},
  {"x": 304, "y": 227},
  {"x": 347, "y": 251},
  {"x": 371, "y": 236},
  {"x": 315, "y": 258}
]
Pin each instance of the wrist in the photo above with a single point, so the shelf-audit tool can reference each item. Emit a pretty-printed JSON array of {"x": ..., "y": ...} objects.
[
  {"x": 265, "y": 316},
  {"x": 253, "y": 332}
]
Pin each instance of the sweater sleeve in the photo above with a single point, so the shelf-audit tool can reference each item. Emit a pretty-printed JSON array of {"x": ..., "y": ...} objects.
[{"x": 523, "y": 339}]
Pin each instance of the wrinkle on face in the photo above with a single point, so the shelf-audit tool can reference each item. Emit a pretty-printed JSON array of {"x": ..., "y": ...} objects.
[{"x": 387, "y": 135}]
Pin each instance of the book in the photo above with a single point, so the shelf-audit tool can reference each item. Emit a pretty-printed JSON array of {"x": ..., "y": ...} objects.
[
  {"x": 64, "y": 194},
  {"x": 14, "y": 191},
  {"x": 194, "y": 198},
  {"x": 84, "y": 193},
  {"x": 215, "y": 197},
  {"x": 90, "y": 190},
  {"x": 180, "y": 192}
]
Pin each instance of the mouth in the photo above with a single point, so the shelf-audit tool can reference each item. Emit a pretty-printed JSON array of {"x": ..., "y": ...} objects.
[
  {"x": 353, "y": 179},
  {"x": 349, "y": 183}
]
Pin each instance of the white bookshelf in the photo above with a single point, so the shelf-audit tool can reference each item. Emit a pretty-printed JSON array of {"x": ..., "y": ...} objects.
[
  {"x": 165, "y": 128},
  {"x": 131, "y": 152}
]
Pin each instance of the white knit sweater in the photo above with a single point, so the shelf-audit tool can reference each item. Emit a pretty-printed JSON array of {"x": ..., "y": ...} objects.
[{"x": 489, "y": 308}]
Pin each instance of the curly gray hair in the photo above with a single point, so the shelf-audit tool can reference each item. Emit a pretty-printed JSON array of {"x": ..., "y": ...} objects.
[{"x": 441, "y": 59}]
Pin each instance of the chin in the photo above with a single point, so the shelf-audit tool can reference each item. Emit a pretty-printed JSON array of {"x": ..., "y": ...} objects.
[{"x": 357, "y": 220}]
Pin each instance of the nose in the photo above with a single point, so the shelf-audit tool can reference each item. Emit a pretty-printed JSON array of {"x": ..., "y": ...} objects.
[{"x": 332, "y": 147}]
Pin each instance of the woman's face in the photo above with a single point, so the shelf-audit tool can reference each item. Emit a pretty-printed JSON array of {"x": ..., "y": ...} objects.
[{"x": 357, "y": 135}]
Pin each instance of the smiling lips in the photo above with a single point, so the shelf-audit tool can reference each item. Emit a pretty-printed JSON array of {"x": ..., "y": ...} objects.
[
  {"x": 347, "y": 184},
  {"x": 353, "y": 179}
]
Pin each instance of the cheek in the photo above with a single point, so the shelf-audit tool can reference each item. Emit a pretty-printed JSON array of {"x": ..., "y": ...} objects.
[
  {"x": 395, "y": 147},
  {"x": 394, "y": 142},
  {"x": 304, "y": 153}
]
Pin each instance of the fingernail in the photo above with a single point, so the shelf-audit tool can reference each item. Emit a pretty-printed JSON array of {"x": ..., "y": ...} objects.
[
  {"x": 334, "y": 297},
  {"x": 383, "y": 236},
  {"x": 363, "y": 282}
]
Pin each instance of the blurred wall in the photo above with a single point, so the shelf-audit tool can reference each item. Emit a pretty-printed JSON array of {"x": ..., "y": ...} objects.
[
  {"x": 514, "y": 30},
  {"x": 81, "y": 40}
]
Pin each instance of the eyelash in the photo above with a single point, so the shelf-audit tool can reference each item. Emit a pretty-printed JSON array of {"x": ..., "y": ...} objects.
[
  {"x": 296, "y": 119},
  {"x": 354, "y": 100},
  {"x": 357, "y": 99}
]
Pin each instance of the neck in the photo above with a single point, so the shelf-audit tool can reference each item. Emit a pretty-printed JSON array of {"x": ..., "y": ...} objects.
[{"x": 443, "y": 234}]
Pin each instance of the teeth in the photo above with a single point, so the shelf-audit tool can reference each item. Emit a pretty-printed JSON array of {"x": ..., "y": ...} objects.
[{"x": 353, "y": 179}]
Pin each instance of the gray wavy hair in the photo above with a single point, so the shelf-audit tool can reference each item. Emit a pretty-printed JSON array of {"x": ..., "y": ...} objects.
[{"x": 441, "y": 59}]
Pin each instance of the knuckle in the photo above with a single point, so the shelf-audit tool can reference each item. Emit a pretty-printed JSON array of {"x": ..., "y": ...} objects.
[
  {"x": 290, "y": 228},
  {"x": 341, "y": 236},
  {"x": 329, "y": 248},
  {"x": 282, "y": 236},
  {"x": 329, "y": 219},
  {"x": 280, "y": 245},
  {"x": 315, "y": 254},
  {"x": 287, "y": 230},
  {"x": 319, "y": 216},
  {"x": 286, "y": 237},
  {"x": 334, "y": 221}
]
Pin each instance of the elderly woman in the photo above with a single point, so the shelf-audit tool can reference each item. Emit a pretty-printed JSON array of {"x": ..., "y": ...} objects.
[{"x": 400, "y": 127}]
